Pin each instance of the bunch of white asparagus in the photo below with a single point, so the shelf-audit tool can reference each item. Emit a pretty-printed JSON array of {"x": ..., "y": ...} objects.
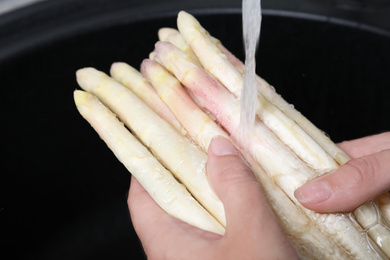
[{"x": 189, "y": 92}]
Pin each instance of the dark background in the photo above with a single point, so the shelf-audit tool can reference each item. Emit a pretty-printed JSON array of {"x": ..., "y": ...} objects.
[{"x": 63, "y": 193}]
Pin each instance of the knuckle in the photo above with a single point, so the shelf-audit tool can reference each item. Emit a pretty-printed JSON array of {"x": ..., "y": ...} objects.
[
  {"x": 364, "y": 169},
  {"x": 236, "y": 171}
]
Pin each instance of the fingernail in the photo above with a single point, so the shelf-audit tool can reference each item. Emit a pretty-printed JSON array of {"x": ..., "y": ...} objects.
[
  {"x": 315, "y": 192},
  {"x": 221, "y": 146}
]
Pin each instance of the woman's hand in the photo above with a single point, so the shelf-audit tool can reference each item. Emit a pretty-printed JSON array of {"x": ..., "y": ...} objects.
[
  {"x": 364, "y": 177},
  {"x": 252, "y": 231}
]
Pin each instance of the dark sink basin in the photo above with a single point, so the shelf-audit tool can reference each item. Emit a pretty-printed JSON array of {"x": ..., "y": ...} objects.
[{"x": 64, "y": 193}]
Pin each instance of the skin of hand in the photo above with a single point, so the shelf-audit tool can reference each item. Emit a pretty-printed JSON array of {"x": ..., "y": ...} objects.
[
  {"x": 252, "y": 230},
  {"x": 364, "y": 177}
]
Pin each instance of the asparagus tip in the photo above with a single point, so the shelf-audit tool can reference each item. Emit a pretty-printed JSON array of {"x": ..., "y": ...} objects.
[
  {"x": 88, "y": 77},
  {"x": 186, "y": 23},
  {"x": 165, "y": 32},
  {"x": 145, "y": 64},
  {"x": 183, "y": 14},
  {"x": 81, "y": 98},
  {"x": 152, "y": 55}
]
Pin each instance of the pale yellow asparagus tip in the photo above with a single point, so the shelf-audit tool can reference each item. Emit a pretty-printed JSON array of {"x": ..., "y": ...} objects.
[
  {"x": 152, "y": 55},
  {"x": 165, "y": 32}
]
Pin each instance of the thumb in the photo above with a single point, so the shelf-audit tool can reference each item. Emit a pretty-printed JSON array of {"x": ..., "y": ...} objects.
[
  {"x": 236, "y": 186},
  {"x": 348, "y": 187}
]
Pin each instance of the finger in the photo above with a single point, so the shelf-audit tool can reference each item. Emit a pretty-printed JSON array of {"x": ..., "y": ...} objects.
[
  {"x": 232, "y": 180},
  {"x": 348, "y": 187},
  {"x": 366, "y": 145},
  {"x": 248, "y": 214}
]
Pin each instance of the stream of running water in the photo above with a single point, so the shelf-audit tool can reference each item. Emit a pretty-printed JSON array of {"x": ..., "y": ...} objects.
[{"x": 251, "y": 23}]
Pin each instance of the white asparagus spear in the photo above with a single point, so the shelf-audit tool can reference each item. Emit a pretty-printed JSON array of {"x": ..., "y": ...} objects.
[
  {"x": 134, "y": 80},
  {"x": 280, "y": 163},
  {"x": 188, "y": 164},
  {"x": 214, "y": 61},
  {"x": 198, "y": 124},
  {"x": 170, "y": 195},
  {"x": 306, "y": 237}
]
